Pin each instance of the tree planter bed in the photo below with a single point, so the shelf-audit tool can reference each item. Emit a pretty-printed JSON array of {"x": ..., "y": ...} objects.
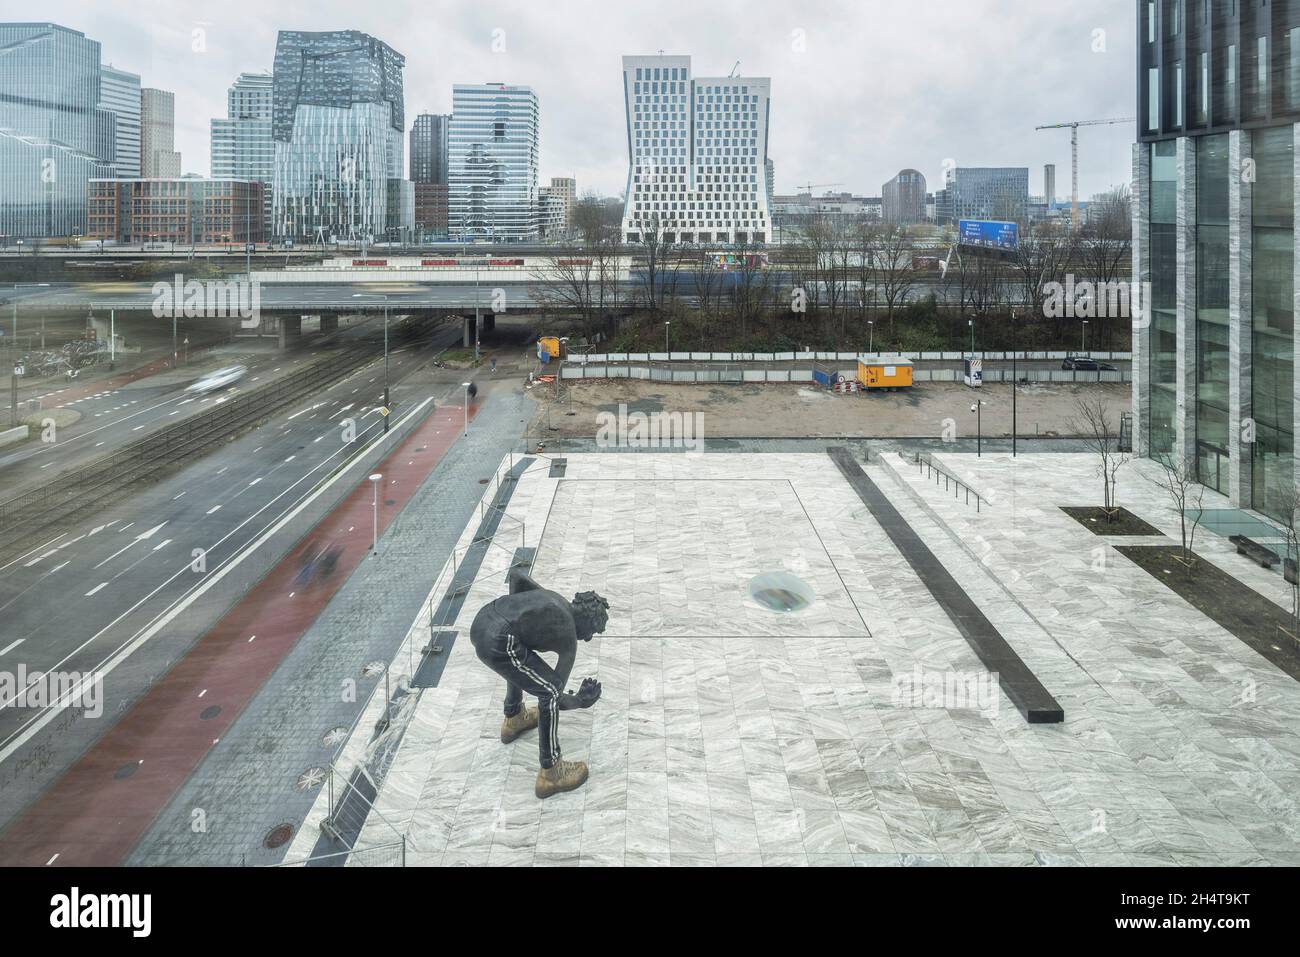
[{"x": 1122, "y": 521}]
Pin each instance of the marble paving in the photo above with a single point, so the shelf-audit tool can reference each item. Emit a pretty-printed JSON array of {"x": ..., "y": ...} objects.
[{"x": 730, "y": 734}]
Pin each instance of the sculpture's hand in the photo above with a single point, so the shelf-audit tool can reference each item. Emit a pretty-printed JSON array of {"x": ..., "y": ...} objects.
[{"x": 588, "y": 693}]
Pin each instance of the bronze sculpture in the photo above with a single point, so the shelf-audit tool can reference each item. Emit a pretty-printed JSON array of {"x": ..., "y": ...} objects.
[{"x": 508, "y": 634}]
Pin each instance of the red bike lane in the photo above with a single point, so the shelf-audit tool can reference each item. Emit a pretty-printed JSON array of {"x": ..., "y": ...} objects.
[{"x": 96, "y": 812}]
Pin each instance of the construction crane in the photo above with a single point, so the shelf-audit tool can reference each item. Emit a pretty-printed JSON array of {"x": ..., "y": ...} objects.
[
  {"x": 809, "y": 187},
  {"x": 733, "y": 70},
  {"x": 1074, "y": 158}
]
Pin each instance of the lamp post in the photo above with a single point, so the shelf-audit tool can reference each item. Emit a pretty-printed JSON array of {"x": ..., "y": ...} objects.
[
  {"x": 871, "y": 337},
  {"x": 374, "y": 511},
  {"x": 465, "y": 386},
  {"x": 387, "y": 405},
  {"x": 978, "y": 409},
  {"x": 667, "y": 322},
  {"x": 1014, "y": 381},
  {"x": 971, "y": 322}
]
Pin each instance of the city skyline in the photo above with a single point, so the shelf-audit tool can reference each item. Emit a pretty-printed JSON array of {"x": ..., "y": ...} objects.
[{"x": 904, "y": 112}]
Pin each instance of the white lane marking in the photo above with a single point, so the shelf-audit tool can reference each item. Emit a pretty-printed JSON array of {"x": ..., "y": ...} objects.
[
  {"x": 8, "y": 648},
  {"x": 178, "y": 496},
  {"x": 139, "y": 538},
  {"x": 254, "y": 482},
  {"x": 251, "y": 640},
  {"x": 36, "y": 549},
  {"x": 52, "y": 859},
  {"x": 223, "y": 469},
  {"x": 290, "y": 459},
  {"x": 96, "y": 588},
  {"x": 215, "y": 508},
  {"x": 163, "y": 544},
  {"x": 203, "y": 692},
  {"x": 40, "y": 558},
  {"x": 34, "y": 725}
]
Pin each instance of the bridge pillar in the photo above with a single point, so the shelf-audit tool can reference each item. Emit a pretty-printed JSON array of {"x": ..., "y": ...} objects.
[
  {"x": 329, "y": 323},
  {"x": 290, "y": 328},
  {"x": 468, "y": 338},
  {"x": 489, "y": 322}
]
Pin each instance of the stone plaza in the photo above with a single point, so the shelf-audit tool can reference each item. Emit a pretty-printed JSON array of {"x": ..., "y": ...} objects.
[{"x": 841, "y": 733}]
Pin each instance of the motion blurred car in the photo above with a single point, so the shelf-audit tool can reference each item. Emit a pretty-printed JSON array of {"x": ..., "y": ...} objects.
[
  {"x": 217, "y": 380},
  {"x": 1085, "y": 364}
]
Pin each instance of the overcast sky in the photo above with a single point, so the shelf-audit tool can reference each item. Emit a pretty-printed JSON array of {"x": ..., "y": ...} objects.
[{"x": 860, "y": 88}]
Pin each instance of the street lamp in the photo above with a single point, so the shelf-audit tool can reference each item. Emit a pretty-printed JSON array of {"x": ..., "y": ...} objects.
[
  {"x": 971, "y": 322},
  {"x": 374, "y": 510},
  {"x": 666, "y": 350},
  {"x": 387, "y": 405},
  {"x": 465, "y": 386},
  {"x": 978, "y": 409},
  {"x": 1014, "y": 379},
  {"x": 871, "y": 337}
]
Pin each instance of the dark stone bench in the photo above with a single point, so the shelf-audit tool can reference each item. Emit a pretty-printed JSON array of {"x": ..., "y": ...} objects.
[{"x": 1259, "y": 554}]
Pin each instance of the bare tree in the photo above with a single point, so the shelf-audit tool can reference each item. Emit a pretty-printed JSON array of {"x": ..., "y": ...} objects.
[
  {"x": 1106, "y": 244},
  {"x": 1041, "y": 257},
  {"x": 652, "y": 246},
  {"x": 1094, "y": 423},
  {"x": 892, "y": 266},
  {"x": 1178, "y": 479}
]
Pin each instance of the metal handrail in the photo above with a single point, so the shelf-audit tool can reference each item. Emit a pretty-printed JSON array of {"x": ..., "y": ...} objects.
[{"x": 926, "y": 464}]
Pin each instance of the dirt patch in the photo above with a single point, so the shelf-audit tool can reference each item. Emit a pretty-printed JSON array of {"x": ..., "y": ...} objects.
[
  {"x": 1118, "y": 521},
  {"x": 1261, "y": 624},
  {"x": 931, "y": 410}
]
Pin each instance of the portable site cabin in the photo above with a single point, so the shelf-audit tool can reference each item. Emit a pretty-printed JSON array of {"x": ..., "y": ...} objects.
[{"x": 891, "y": 372}]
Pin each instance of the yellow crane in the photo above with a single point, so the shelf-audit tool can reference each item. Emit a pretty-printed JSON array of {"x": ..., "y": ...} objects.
[{"x": 1074, "y": 158}]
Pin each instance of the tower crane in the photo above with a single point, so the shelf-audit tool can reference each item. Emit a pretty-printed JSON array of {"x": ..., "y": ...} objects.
[
  {"x": 809, "y": 187},
  {"x": 1074, "y": 157}
]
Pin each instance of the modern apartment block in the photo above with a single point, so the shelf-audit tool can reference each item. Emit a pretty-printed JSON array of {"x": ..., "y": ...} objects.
[
  {"x": 697, "y": 154},
  {"x": 429, "y": 161},
  {"x": 493, "y": 153},
  {"x": 184, "y": 211},
  {"x": 984, "y": 192},
  {"x": 556, "y": 207},
  {"x": 429, "y": 148},
  {"x": 241, "y": 144},
  {"x": 119, "y": 93},
  {"x": 903, "y": 198},
  {"x": 338, "y": 125},
  {"x": 158, "y": 156},
  {"x": 54, "y": 135},
  {"x": 1214, "y": 234}
]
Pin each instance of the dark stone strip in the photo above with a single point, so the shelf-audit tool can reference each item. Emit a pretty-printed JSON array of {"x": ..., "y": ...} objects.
[{"x": 1020, "y": 684}]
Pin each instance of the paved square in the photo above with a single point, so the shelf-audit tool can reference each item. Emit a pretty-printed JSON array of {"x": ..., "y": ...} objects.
[{"x": 732, "y": 734}]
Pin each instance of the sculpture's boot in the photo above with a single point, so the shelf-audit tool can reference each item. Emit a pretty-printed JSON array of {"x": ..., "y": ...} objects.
[
  {"x": 562, "y": 776},
  {"x": 512, "y": 728}
]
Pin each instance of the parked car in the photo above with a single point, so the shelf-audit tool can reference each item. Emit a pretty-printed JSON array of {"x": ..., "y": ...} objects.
[
  {"x": 1085, "y": 364},
  {"x": 217, "y": 380}
]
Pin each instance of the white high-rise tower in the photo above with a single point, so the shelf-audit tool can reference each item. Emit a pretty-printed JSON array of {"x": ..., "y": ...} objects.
[{"x": 697, "y": 154}]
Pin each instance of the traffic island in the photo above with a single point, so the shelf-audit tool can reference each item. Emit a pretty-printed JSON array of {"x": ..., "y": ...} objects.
[{"x": 1263, "y": 625}]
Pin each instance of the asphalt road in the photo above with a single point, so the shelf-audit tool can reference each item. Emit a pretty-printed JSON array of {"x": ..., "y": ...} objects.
[{"x": 133, "y": 577}]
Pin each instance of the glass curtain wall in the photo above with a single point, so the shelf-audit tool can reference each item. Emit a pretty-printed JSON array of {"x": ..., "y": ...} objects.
[
  {"x": 1164, "y": 298},
  {"x": 1212, "y": 311},
  {"x": 1273, "y": 320}
]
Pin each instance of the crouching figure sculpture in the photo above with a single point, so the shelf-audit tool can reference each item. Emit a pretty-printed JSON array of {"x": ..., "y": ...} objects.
[{"x": 508, "y": 635}]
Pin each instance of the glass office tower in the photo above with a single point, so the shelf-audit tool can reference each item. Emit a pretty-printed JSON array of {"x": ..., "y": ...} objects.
[
  {"x": 337, "y": 124},
  {"x": 119, "y": 93},
  {"x": 54, "y": 137},
  {"x": 241, "y": 144},
  {"x": 493, "y": 148},
  {"x": 1215, "y": 235}
]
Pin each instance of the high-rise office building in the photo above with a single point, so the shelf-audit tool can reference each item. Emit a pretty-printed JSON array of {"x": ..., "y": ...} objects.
[
  {"x": 493, "y": 151},
  {"x": 54, "y": 135},
  {"x": 697, "y": 153},
  {"x": 1214, "y": 198},
  {"x": 241, "y": 143},
  {"x": 429, "y": 148},
  {"x": 902, "y": 199},
  {"x": 980, "y": 192},
  {"x": 338, "y": 125},
  {"x": 158, "y": 156},
  {"x": 119, "y": 93}
]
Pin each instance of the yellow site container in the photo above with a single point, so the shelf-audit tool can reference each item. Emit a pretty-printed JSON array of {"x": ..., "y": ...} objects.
[
  {"x": 551, "y": 344},
  {"x": 887, "y": 373}
]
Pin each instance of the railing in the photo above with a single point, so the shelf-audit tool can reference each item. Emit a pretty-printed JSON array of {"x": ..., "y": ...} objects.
[{"x": 950, "y": 481}]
